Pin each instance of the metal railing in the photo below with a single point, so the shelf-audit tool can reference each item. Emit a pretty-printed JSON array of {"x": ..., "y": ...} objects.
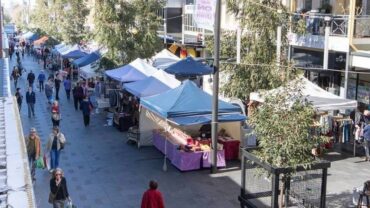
[{"x": 315, "y": 25}]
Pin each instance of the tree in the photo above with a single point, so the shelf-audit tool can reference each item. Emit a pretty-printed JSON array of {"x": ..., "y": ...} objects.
[
  {"x": 128, "y": 29},
  {"x": 62, "y": 19},
  {"x": 72, "y": 27},
  {"x": 283, "y": 125},
  {"x": 258, "y": 69}
]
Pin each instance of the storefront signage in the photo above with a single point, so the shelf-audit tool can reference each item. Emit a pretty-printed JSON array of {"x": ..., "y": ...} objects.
[{"x": 204, "y": 14}]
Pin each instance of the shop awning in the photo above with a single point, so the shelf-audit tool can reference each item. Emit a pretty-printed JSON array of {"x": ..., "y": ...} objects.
[
  {"x": 158, "y": 83},
  {"x": 185, "y": 100},
  {"x": 87, "y": 72},
  {"x": 189, "y": 67},
  {"x": 63, "y": 49},
  {"x": 88, "y": 59},
  {"x": 321, "y": 99},
  {"x": 164, "y": 59},
  {"x": 134, "y": 71}
]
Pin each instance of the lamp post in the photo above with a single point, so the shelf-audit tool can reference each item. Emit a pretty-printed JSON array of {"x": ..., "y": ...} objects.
[{"x": 216, "y": 65}]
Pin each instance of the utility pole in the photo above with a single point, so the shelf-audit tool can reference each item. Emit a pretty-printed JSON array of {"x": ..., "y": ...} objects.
[{"x": 216, "y": 65}]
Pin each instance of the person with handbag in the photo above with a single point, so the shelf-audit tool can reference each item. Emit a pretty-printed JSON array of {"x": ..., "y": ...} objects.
[
  {"x": 55, "y": 144},
  {"x": 33, "y": 150},
  {"x": 55, "y": 114},
  {"x": 58, "y": 189}
]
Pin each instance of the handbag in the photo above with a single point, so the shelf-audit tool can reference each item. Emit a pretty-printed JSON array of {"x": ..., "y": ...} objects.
[
  {"x": 56, "y": 116},
  {"x": 52, "y": 196}
]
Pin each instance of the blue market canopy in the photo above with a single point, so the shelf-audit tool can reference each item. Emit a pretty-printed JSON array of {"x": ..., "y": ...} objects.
[
  {"x": 158, "y": 83},
  {"x": 88, "y": 59},
  {"x": 74, "y": 53},
  {"x": 134, "y": 71},
  {"x": 187, "y": 104},
  {"x": 30, "y": 36},
  {"x": 189, "y": 67}
]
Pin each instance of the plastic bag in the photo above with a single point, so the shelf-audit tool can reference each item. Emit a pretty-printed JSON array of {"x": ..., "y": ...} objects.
[
  {"x": 69, "y": 204},
  {"x": 40, "y": 163}
]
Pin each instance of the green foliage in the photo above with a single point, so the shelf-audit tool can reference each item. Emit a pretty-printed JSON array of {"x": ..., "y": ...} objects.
[
  {"x": 72, "y": 24},
  {"x": 62, "y": 19},
  {"x": 128, "y": 29},
  {"x": 283, "y": 126},
  {"x": 258, "y": 68}
]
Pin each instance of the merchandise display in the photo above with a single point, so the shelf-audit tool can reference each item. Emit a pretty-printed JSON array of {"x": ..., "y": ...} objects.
[{"x": 186, "y": 153}]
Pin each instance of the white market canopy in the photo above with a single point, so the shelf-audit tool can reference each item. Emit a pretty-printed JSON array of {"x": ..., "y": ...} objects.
[
  {"x": 87, "y": 72},
  {"x": 321, "y": 99},
  {"x": 134, "y": 71},
  {"x": 164, "y": 58}
]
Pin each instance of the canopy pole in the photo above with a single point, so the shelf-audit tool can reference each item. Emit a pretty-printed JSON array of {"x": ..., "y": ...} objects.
[{"x": 216, "y": 65}]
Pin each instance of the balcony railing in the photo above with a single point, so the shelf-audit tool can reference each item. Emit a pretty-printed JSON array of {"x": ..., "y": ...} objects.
[{"x": 315, "y": 25}]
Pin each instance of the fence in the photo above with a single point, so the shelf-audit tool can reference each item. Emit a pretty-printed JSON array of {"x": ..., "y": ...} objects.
[{"x": 263, "y": 183}]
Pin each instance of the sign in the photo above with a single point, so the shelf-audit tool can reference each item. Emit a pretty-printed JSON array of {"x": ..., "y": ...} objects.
[{"x": 204, "y": 14}]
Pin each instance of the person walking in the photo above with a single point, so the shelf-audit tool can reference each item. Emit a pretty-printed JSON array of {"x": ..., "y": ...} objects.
[
  {"x": 31, "y": 100},
  {"x": 33, "y": 150},
  {"x": 41, "y": 78},
  {"x": 67, "y": 87},
  {"x": 77, "y": 95},
  {"x": 54, "y": 146},
  {"x": 15, "y": 75},
  {"x": 152, "y": 198},
  {"x": 30, "y": 78},
  {"x": 57, "y": 82},
  {"x": 55, "y": 114},
  {"x": 58, "y": 189},
  {"x": 86, "y": 107},
  {"x": 49, "y": 91},
  {"x": 19, "y": 97}
]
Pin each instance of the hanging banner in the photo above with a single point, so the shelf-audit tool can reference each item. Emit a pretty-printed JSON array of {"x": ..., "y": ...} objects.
[{"x": 204, "y": 14}]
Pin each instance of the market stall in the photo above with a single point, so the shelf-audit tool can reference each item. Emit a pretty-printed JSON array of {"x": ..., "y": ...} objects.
[
  {"x": 137, "y": 70},
  {"x": 337, "y": 126},
  {"x": 159, "y": 82},
  {"x": 177, "y": 123},
  {"x": 87, "y": 59}
]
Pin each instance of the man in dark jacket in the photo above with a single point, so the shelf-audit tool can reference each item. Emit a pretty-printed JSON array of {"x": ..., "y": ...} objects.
[
  {"x": 31, "y": 78},
  {"x": 78, "y": 94},
  {"x": 31, "y": 100},
  {"x": 57, "y": 82}
]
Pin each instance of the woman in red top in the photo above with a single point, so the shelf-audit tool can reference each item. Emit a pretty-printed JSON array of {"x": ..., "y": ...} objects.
[
  {"x": 152, "y": 198},
  {"x": 55, "y": 114}
]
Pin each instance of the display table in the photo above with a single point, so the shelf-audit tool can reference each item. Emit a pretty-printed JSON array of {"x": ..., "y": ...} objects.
[
  {"x": 231, "y": 147},
  {"x": 186, "y": 161}
]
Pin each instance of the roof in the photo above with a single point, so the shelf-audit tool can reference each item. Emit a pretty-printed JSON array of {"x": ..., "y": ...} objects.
[
  {"x": 185, "y": 100},
  {"x": 134, "y": 71},
  {"x": 189, "y": 67},
  {"x": 88, "y": 59},
  {"x": 74, "y": 52}
]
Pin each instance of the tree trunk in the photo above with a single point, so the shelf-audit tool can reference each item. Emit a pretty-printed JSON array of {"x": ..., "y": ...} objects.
[{"x": 282, "y": 191}]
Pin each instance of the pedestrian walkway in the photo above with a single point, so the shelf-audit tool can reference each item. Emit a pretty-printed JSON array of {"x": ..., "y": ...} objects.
[{"x": 103, "y": 171}]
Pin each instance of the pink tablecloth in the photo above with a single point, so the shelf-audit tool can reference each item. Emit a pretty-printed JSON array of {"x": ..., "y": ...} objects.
[{"x": 206, "y": 159}]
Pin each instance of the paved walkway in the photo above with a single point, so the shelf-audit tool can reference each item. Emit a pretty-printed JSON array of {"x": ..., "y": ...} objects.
[{"x": 103, "y": 171}]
